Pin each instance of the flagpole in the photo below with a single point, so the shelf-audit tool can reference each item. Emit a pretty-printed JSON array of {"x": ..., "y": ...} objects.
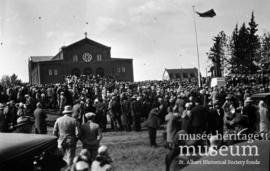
[{"x": 196, "y": 37}]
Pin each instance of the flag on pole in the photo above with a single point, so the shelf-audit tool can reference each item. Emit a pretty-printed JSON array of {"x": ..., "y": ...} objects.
[{"x": 209, "y": 13}]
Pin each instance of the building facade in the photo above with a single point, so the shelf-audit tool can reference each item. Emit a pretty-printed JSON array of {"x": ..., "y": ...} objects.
[
  {"x": 83, "y": 57},
  {"x": 184, "y": 74}
]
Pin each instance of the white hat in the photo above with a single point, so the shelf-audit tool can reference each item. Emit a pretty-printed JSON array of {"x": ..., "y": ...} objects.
[
  {"x": 67, "y": 109},
  {"x": 248, "y": 100},
  {"x": 90, "y": 115},
  {"x": 2, "y": 106},
  {"x": 102, "y": 149},
  {"x": 82, "y": 165},
  {"x": 96, "y": 100}
]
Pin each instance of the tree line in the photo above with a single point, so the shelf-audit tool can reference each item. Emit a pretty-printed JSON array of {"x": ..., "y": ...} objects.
[{"x": 244, "y": 52}]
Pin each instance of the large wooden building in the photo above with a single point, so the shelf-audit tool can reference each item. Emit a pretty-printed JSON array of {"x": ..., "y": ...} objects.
[
  {"x": 182, "y": 74},
  {"x": 83, "y": 57}
]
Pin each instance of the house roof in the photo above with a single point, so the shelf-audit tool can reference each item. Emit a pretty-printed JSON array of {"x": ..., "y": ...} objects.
[
  {"x": 40, "y": 58},
  {"x": 184, "y": 70},
  {"x": 86, "y": 40}
]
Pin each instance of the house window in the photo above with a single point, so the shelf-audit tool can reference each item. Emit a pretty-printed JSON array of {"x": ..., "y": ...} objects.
[
  {"x": 185, "y": 75},
  {"x": 177, "y": 75},
  {"x": 50, "y": 72},
  {"x": 75, "y": 58},
  {"x": 118, "y": 69},
  {"x": 123, "y": 69},
  {"x": 55, "y": 72},
  {"x": 99, "y": 57},
  {"x": 192, "y": 75}
]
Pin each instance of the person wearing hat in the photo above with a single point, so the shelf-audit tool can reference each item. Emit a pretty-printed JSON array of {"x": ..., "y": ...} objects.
[
  {"x": 21, "y": 109},
  {"x": 62, "y": 101},
  {"x": 153, "y": 123},
  {"x": 11, "y": 112},
  {"x": 24, "y": 125},
  {"x": 100, "y": 111},
  {"x": 264, "y": 117},
  {"x": 103, "y": 161},
  {"x": 136, "y": 110},
  {"x": 215, "y": 119},
  {"x": 3, "y": 120},
  {"x": 115, "y": 111},
  {"x": 198, "y": 118},
  {"x": 90, "y": 135},
  {"x": 185, "y": 118},
  {"x": 40, "y": 120},
  {"x": 66, "y": 128},
  {"x": 78, "y": 111},
  {"x": 252, "y": 113}
]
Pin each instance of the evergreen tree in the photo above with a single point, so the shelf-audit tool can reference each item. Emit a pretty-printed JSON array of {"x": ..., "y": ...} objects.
[
  {"x": 217, "y": 54},
  {"x": 239, "y": 46},
  {"x": 254, "y": 43},
  {"x": 265, "y": 51},
  {"x": 244, "y": 56},
  {"x": 234, "y": 51}
]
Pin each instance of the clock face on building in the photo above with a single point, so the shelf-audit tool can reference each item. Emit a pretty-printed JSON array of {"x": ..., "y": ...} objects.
[{"x": 87, "y": 57}]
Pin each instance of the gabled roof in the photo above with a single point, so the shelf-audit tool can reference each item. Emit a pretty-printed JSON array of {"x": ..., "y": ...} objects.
[
  {"x": 40, "y": 58},
  {"x": 184, "y": 70},
  {"x": 88, "y": 41}
]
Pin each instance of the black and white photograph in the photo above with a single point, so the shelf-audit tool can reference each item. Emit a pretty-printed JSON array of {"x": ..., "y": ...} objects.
[{"x": 134, "y": 85}]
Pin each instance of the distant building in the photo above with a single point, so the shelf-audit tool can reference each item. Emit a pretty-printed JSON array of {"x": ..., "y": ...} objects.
[
  {"x": 187, "y": 74},
  {"x": 83, "y": 57}
]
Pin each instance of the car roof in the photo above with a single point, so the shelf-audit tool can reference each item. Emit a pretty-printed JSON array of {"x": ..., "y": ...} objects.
[{"x": 17, "y": 146}]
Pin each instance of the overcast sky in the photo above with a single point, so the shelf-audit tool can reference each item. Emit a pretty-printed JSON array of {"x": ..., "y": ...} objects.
[{"x": 157, "y": 34}]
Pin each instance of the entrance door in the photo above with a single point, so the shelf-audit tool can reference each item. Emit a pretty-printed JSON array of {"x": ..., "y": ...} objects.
[
  {"x": 87, "y": 71},
  {"x": 100, "y": 71},
  {"x": 76, "y": 72}
]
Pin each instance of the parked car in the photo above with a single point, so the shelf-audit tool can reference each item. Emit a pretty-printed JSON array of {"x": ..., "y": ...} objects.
[
  {"x": 261, "y": 96},
  {"x": 29, "y": 152}
]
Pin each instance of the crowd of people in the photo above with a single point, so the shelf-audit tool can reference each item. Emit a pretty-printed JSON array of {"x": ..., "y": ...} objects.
[{"x": 88, "y": 103}]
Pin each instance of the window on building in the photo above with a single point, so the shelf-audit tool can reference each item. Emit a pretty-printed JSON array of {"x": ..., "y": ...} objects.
[
  {"x": 99, "y": 57},
  {"x": 185, "y": 75},
  {"x": 50, "y": 72},
  {"x": 123, "y": 69},
  {"x": 177, "y": 75},
  {"x": 118, "y": 69},
  {"x": 192, "y": 75},
  {"x": 75, "y": 58},
  {"x": 55, "y": 72}
]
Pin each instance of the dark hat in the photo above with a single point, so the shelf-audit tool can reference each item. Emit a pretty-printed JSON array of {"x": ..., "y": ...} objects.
[
  {"x": 24, "y": 120},
  {"x": 90, "y": 115},
  {"x": 67, "y": 109}
]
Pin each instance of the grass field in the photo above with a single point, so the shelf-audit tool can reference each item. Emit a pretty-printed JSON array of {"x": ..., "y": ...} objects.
[{"x": 130, "y": 151}]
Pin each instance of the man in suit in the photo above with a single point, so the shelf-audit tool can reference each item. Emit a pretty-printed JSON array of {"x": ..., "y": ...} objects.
[
  {"x": 91, "y": 135},
  {"x": 126, "y": 116},
  {"x": 252, "y": 113},
  {"x": 66, "y": 128},
  {"x": 153, "y": 123},
  {"x": 78, "y": 111},
  {"x": 3, "y": 121},
  {"x": 215, "y": 119},
  {"x": 40, "y": 120},
  {"x": 198, "y": 118},
  {"x": 136, "y": 110}
]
